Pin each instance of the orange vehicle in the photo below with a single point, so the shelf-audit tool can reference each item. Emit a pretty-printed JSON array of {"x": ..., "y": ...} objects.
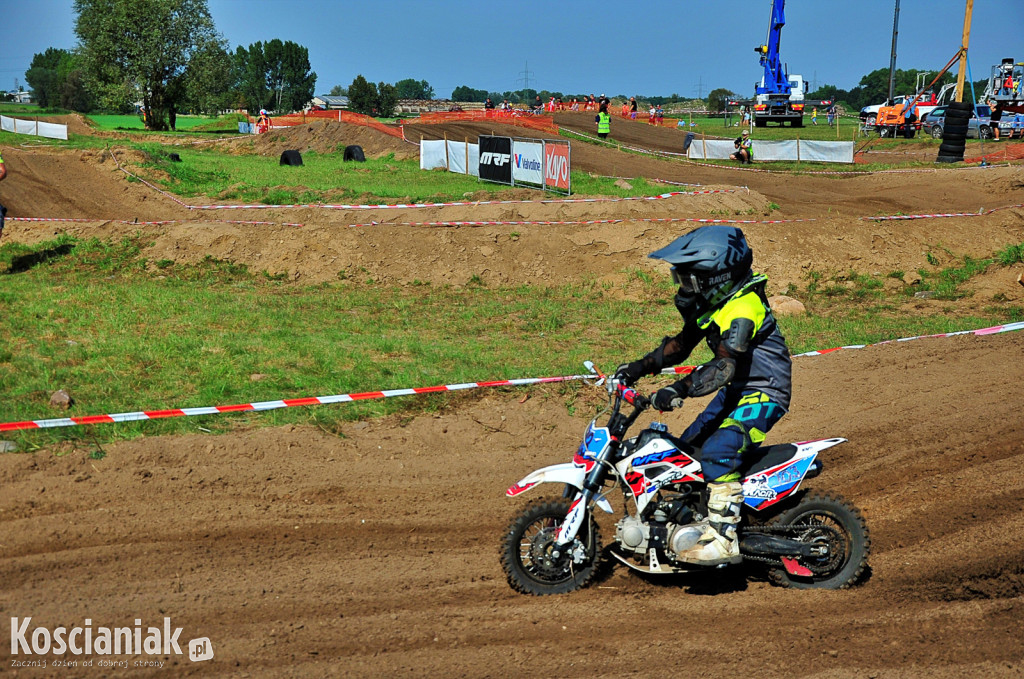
[{"x": 898, "y": 120}]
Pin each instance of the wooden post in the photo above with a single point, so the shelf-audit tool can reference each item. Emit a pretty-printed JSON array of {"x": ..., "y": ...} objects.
[
  {"x": 447, "y": 161},
  {"x": 703, "y": 143},
  {"x": 798, "y": 148},
  {"x": 963, "y": 51},
  {"x": 467, "y": 155}
]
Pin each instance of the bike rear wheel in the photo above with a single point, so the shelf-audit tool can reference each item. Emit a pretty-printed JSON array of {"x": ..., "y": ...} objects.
[
  {"x": 830, "y": 521},
  {"x": 528, "y": 545}
]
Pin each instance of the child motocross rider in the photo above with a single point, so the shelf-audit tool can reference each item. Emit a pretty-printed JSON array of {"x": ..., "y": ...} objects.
[{"x": 723, "y": 302}]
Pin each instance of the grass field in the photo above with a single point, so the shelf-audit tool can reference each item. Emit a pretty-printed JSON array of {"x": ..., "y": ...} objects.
[{"x": 218, "y": 334}]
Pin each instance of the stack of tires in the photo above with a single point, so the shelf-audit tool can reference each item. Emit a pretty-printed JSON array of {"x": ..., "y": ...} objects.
[{"x": 954, "y": 132}]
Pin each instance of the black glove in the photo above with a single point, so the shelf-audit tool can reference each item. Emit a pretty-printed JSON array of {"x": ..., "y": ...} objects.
[
  {"x": 628, "y": 373},
  {"x": 668, "y": 398}
]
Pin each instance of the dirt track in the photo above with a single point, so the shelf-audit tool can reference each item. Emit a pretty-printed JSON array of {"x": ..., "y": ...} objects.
[{"x": 300, "y": 554}]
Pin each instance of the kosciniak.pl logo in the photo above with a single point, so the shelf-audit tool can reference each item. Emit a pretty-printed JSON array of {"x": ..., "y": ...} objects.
[{"x": 86, "y": 640}]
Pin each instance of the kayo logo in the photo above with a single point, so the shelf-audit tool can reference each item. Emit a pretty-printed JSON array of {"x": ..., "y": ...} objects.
[{"x": 491, "y": 158}]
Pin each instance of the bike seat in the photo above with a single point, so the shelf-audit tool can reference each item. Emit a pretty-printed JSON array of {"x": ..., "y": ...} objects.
[{"x": 770, "y": 456}]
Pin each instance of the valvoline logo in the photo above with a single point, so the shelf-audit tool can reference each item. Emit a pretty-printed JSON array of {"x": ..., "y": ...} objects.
[{"x": 524, "y": 163}]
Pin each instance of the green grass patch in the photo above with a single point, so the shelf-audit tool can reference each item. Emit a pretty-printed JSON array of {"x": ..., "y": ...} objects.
[{"x": 121, "y": 334}]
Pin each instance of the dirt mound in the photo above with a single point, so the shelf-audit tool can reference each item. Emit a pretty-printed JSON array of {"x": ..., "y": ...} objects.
[
  {"x": 322, "y": 136},
  {"x": 301, "y": 554}
]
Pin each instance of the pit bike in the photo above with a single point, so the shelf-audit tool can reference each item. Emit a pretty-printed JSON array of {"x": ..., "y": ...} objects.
[{"x": 804, "y": 540}]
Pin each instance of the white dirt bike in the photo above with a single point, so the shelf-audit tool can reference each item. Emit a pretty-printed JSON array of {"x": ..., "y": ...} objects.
[{"x": 804, "y": 539}]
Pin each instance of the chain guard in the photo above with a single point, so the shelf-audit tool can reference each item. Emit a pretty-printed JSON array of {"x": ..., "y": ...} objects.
[{"x": 835, "y": 537}]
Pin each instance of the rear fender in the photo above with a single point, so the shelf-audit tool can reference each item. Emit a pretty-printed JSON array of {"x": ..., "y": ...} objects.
[
  {"x": 562, "y": 474},
  {"x": 770, "y": 486}
]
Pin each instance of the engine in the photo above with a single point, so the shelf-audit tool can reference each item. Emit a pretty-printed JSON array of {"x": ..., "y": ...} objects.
[{"x": 669, "y": 528}]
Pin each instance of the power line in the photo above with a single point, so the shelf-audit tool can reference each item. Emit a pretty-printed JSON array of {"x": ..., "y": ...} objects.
[{"x": 526, "y": 73}]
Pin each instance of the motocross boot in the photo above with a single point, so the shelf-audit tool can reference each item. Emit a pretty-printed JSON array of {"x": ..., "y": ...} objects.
[{"x": 719, "y": 544}]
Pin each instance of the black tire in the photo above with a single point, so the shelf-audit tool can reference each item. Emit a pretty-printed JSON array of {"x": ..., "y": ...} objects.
[
  {"x": 951, "y": 149},
  {"x": 871, "y": 119},
  {"x": 961, "y": 109},
  {"x": 798, "y": 123},
  {"x": 885, "y": 131},
  {"x": 843, "y": 531},
  {"x": 985, "y": 131},
  {"x": 951, "y": 138},
  {"x": 525, "y": 555},
  {"x": 936, "y": 132},
  {"x": 955, "y": 127}
]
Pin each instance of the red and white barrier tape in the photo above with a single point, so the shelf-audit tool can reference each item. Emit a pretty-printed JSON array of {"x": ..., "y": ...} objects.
[
  {"x": 994, "y": 330},
  {"x": 979, "y": 213},
  {"x": 273, "y": 405},
  {"x": 585, "y": 222},
  {"x": 372, "y": 395},
  {"x": 132, "y": 221}
]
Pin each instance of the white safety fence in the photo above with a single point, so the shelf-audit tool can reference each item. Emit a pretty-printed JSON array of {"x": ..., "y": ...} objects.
[
  {"x": 455, "y": 156},
  {"x": 792, "y": 149},
  {"x": 18, "y": 126}
]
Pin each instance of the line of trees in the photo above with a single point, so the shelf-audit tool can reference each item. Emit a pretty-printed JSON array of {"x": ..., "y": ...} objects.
[{"x": 168, "y": 55}]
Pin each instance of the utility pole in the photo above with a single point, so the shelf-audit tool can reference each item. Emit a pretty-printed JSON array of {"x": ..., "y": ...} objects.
[
  {"x": 892, "y": 59},
  {"x": 700, "y": 87},
  {"x": 963, "y": 51}
]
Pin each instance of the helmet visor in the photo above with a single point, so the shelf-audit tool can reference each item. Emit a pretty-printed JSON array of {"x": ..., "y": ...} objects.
[{"x": 686, "y": 281}]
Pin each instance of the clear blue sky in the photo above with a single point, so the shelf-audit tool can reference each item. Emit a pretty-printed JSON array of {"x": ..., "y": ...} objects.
[{"x": 611, "y": 46}]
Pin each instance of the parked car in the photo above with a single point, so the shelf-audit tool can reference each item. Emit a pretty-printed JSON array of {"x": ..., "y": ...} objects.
[{"x": 979, "y": 126}]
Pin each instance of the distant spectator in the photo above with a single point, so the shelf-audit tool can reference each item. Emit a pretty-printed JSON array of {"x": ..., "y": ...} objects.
[
  {"x": 814, "y": 116},
  {"x": 625, "y": 109},
  {"x": 575, "y": 104},
  {"x": 604, "y": 100},
  {"x": 746, "y": 116},
  {"x": 1017, "y": 127},
  {"x": 488, "y": 104},
  {"x": 632, "y": 108},
  {"x": 659, "y": 113},
  {"x": 538, "y": 105},
  {"x": 604, "y": 122},
  {"x": 652, "y": 115},
  {"x": 831, "y": 113},
  {"x": 744, "y": 151},
  {"x": 995, "y": 116},
  {"x": 591, "y": 104},
  {"x": 263, "y": 122}
]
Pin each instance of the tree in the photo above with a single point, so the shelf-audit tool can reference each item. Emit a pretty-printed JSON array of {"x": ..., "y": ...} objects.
[
  {"x": 207, "y": 79},
  {"x": 414, "y": 89},
  {"x": 339, "y": 91},
  {"x": 464, "y": 93},
  {"x": 274, "y": 75},
  {"x": 387, "y": 97},
  {"x": 47, "y": 73},
  {"x": 718, "y": 98},
  {"x": 135, "y": 49},
  {"x": 362, "y": 96}
]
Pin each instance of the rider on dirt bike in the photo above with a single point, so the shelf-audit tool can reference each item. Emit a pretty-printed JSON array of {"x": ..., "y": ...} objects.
[{"x": 723, "y": 302}]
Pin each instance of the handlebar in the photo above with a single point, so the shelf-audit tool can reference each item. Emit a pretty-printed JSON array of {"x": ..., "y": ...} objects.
[{"x": 633, "y": 397}]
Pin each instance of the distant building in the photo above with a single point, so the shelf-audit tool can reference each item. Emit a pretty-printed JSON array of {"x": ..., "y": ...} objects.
[
  {"x": 22, "y": 97},
  {"x": 329, "y": 102}
]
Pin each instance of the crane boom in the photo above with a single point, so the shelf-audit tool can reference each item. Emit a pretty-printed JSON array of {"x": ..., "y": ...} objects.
[{"x": 775, "y": 80}]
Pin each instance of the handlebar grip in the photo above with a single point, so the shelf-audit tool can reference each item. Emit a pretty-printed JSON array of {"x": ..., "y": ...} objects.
[{"x": 634, "y": 397}]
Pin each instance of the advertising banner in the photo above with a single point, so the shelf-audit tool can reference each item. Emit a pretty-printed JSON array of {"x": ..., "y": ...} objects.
[
  {"x": 556, "y": 166},
  {"x": 528, "y": 162},
  {"x": 496, "y": 159}
]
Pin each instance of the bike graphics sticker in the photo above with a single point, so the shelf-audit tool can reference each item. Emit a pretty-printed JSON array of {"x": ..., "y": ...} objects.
[{"x": 768, "y": 487}]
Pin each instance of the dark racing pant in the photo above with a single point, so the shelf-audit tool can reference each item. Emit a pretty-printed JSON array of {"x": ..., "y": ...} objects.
[{"x": 733, "y": 424}]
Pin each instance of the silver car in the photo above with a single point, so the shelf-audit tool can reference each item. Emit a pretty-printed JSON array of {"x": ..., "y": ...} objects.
[{"x": 979, "y": 126}]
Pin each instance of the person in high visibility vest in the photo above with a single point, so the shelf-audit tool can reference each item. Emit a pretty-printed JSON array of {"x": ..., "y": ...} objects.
[{"x": 604, "y": 122}]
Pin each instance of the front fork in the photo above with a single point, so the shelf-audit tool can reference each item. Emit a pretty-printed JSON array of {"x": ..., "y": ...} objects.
[{"x": 584, "y": 499}]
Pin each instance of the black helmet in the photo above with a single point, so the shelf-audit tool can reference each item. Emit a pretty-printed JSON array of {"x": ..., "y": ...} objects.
[{"x": 710, "y": 262}]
